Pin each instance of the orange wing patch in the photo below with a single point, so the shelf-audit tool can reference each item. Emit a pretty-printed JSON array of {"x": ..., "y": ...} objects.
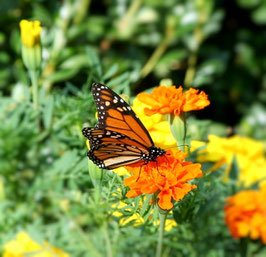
[
  {"x": 106, "y": 92},
  {"x": 115, "y": 123},
  {"x": 105, "y": 97},
  {"x": 138, "y": 129},
  {"x": 116, "y": 114}
]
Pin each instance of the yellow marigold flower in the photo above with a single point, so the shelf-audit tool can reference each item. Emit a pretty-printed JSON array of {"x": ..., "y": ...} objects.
[
  {"x": 245, "y": 214},
  {"x": 157, "y": 125},
  {"x": 30, "y": 32},
  {"x": 24, "y": 246},
  {"x": 248, "y": 153}
]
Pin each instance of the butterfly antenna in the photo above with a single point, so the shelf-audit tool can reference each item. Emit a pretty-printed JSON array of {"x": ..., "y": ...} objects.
[{"x": 174, "y": 147}]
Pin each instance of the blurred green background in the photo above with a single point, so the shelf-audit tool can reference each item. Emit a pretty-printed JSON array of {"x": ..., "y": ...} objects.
[{"x": 215, "y": 46}]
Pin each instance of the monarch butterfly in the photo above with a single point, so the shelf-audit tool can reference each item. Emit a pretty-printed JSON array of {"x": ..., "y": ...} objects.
[{"x": 119, "y": 138}]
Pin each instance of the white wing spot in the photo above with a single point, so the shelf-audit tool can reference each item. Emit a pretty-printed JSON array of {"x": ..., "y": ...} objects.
[
  {"x": 107, "y": 103},
  {"x": 121, "y": 100},
  {"x": 102, "y": 107},
  {"x": 115, "y": 101},
  {"x": 124, "y": 108}
]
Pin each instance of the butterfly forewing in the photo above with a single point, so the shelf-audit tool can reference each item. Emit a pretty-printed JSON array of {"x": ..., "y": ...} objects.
[{"x": 115, "y": 114}]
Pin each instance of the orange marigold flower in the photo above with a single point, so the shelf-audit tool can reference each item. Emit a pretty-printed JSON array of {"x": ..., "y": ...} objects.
[
  {"x": 165, "y": 100},
  {"x": 168, "y": 176},
  {"x": 245, "y": 214}
]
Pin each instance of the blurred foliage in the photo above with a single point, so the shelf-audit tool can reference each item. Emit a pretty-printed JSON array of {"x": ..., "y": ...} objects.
[{"x": 45, "y": 187}]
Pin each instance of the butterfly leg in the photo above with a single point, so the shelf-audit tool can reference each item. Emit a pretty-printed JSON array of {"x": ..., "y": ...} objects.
[
  {"x": 166, "y": 159},
  {"x": 139, "y": 173},
  {"x": 158, "y": 169}
]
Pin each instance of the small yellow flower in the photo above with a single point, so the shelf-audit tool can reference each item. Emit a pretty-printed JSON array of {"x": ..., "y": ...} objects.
[
  {"x": 64, "y": 204},
  {"x": 169, "y": 223},
  {"x": 248, "y": 153},
  {"x": 24, "y": 246},
  {"x": 121, "y": 172},
  {"x": 136, "y": 218},
  {"x": 31, "y": 47},
  {"x": 30, "y": 32}
]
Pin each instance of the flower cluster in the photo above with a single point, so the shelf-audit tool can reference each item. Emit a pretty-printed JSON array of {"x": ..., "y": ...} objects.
[
  {"x": 168, "y": 176},
  {"x": 136, "y": 219},
  {"x": 165, "y": 100},
  {"x": 245, "y": 214},
  {"x": 24, "y": 246},
  {"x": 248, "y": 153}
]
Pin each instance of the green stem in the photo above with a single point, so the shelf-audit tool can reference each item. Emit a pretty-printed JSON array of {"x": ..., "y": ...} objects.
[
  {"x": 135, "y": 5},
  {"x": 107, "y": 241},
  {"x": 190, "y": 73},
  {"x": 150, "y": 64},
  {"x": 34, "y": 76},
  {"x": 86, "y": 240},
  {"x": 198, "y": 35},
  {"x": 243, "y": 245},
  {"x": 81, "y": 11},
  {"x": 162, "y": 215},
  {"x": 159, "y": 51}
]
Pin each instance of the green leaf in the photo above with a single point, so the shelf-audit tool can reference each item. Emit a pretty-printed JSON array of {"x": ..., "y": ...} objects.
[
  {"x": 75, "y": 62},
  {"x": 62, "y": 75},
  {"x": 111, "y": 72},
  {"x": 259, "y": 15},
  {"x": 94, "y": 62},
  {"x": 48, "y": 112},
  {"x": 248, "y": 3},
  {"x": 234, "y": 172},
  {"x": 118, "y": 80}
]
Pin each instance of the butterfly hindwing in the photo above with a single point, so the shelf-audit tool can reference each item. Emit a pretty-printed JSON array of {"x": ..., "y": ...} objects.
[
  {"x": 114, "y": 155},
  {"x": 110, "y": 149}
]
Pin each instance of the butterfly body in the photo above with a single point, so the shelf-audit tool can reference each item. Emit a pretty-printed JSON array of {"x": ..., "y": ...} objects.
[{"x": 119, "y": 138}]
